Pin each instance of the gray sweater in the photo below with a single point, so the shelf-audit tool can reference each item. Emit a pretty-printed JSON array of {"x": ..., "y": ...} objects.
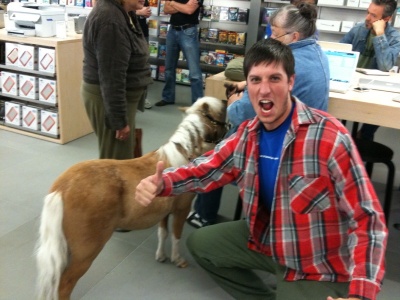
[{"x": 115, "y": 57}]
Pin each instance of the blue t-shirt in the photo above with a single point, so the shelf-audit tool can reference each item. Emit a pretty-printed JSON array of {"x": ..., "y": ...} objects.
[{"x": 271, "y": 143}]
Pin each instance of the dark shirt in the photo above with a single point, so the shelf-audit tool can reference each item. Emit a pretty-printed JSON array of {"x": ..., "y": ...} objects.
[
  {"x": 143, "y": 22},
  {"x": 179, "y": 18}
]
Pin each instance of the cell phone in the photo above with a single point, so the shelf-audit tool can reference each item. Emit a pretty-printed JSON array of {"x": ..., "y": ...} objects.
[{"x": 360, "y": 89}]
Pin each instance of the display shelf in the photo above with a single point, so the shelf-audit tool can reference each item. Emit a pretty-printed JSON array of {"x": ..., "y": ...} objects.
[
  {"x": 27, "y": 100},
  {"x": 72, "y": 119},
  {"x": 26, "y": 71}
]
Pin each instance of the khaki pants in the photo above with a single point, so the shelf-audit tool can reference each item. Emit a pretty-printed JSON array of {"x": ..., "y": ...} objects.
[
  {"x": 222, "y": 251},
  {"x": 109, "y": 146}
]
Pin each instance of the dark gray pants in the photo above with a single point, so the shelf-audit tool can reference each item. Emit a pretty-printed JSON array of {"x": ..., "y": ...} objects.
[
  {"x": 222, "y": 251},
  {"x": 109, "y": 146}
]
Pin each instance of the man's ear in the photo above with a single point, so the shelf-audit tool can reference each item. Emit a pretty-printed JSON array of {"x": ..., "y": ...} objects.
[
  {"x": 387, "y": 19},
  {"x": 291, "y": 82}
]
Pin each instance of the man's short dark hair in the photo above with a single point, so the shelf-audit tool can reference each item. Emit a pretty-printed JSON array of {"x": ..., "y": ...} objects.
[
  {"x": 267, "y": 51},
  {"x": 390, "y": 6}
]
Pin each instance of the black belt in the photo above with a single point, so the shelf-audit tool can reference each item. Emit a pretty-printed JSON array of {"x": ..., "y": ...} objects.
[{"x": 182, "y": 27}]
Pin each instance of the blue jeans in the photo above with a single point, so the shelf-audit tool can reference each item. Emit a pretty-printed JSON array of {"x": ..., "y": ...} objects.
[
  {"x": 188, "y": 41},
  {"x": 207, "y": 205}
]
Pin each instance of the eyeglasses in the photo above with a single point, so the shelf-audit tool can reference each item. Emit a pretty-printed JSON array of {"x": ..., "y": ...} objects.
[{"x": 281, "y": 35}]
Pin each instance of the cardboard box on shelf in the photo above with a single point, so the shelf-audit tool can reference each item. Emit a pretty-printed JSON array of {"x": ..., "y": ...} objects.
[
  {"x": 13, "y": 113},
  {"x": 364, "y": 3},
  {"x": 331, "y": 2},
  {"x": 47, "y": 90},
  {"x": 329, "y": 25},
  {"x": 31, "y": 117},
  {"x": 49, "y": 122},
  {"x": 346, "y": 26},
  {"x": 28, "y": 86},
  {"x": 11, "y": 54},
  {"x": 27, "y": 57},
  {"x": 353, "y": 3},
  {"x": 9, "y": 83},
  {"x": 47, "y": 60}
]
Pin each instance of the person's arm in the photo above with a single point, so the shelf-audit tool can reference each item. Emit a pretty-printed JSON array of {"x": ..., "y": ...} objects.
[
  {"x": 348, "y": 37},
  {"x": 386, "y": 53},
  {"x": 188, "y": 8},
  {"x": 112, "y": 73},
  {"x": 145, "y": 11},
  {"x": 240, "y": 110},
  {"x": 367, "y": 232}
]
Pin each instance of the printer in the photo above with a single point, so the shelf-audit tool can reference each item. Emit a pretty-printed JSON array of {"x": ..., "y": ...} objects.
[{"x": 32, "y": 19}]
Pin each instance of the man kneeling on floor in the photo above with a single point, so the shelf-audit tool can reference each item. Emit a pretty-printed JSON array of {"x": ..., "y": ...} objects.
[{"x": 312, "y": 216}]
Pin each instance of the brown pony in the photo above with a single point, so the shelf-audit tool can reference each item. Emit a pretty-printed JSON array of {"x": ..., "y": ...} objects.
[{"x": 91, "y": 199}]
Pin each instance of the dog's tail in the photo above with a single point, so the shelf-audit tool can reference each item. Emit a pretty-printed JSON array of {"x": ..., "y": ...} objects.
[{"x": 51, "y": 251}]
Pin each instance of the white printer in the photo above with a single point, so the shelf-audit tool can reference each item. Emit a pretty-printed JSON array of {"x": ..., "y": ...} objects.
[{"x": 32, "y": 19}]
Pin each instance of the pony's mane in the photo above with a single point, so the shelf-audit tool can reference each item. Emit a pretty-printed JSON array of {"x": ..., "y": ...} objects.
[
  {"x": 182, "y": 144},
  {"x": 187, "y": 141}
]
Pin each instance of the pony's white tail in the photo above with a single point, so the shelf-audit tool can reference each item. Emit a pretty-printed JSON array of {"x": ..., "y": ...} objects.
[{"x": 51, "y": 255}]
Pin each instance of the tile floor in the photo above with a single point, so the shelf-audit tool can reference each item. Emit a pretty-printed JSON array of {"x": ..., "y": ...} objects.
[{"x": 126, "y": 268}]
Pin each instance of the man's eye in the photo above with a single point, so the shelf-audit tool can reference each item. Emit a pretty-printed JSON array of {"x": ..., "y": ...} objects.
[
  {"x": 275, "y": 78},
  {"x": 254, "y": 79}
]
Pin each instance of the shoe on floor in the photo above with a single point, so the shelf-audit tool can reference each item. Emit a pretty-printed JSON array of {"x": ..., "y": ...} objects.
[
  {"x": 163, "y": 103},
  {"x": 196, "y": 221},
  {"x": 147, "y": 104}
]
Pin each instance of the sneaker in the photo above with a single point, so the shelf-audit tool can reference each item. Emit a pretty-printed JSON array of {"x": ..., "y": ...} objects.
[
  {"x": 147, "y": 104},
  {"x": 196, "y": 221}
]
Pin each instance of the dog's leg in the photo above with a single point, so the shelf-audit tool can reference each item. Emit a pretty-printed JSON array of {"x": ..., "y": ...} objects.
[{"x": 162, "y": 234}]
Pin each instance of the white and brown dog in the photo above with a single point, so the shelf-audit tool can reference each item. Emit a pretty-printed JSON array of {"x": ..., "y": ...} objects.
[{"x": 91, "y": 199}]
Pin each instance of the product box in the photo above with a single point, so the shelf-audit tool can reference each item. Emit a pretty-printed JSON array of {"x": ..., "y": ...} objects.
[
  {"x": 9, "y": 83},
  {"x": 346, "y": 26},
  {"x": 47, "y": 60},
  {"x": 364, "y": 3},
  {"x": 28, "y": 86},
  {"x": 47, "y": 90},
  {"x": 331, "y": 2},
  {"x": 329, "y": 25},
  {"x": 11, "y": 53},
  {"x": 353, "y": 3},
  {"x": 13, "y": 113},
  {"x": 49, "y": 121},
  {"x": 31, "y": 117},
  {"x": 27, "y": 57},
  {"x": 153, "y": 69}
]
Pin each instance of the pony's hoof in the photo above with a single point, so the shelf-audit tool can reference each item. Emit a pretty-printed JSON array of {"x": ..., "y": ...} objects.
[
  {"x": 180, "y": 263},
  {"x": 161, "y": 258}
]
